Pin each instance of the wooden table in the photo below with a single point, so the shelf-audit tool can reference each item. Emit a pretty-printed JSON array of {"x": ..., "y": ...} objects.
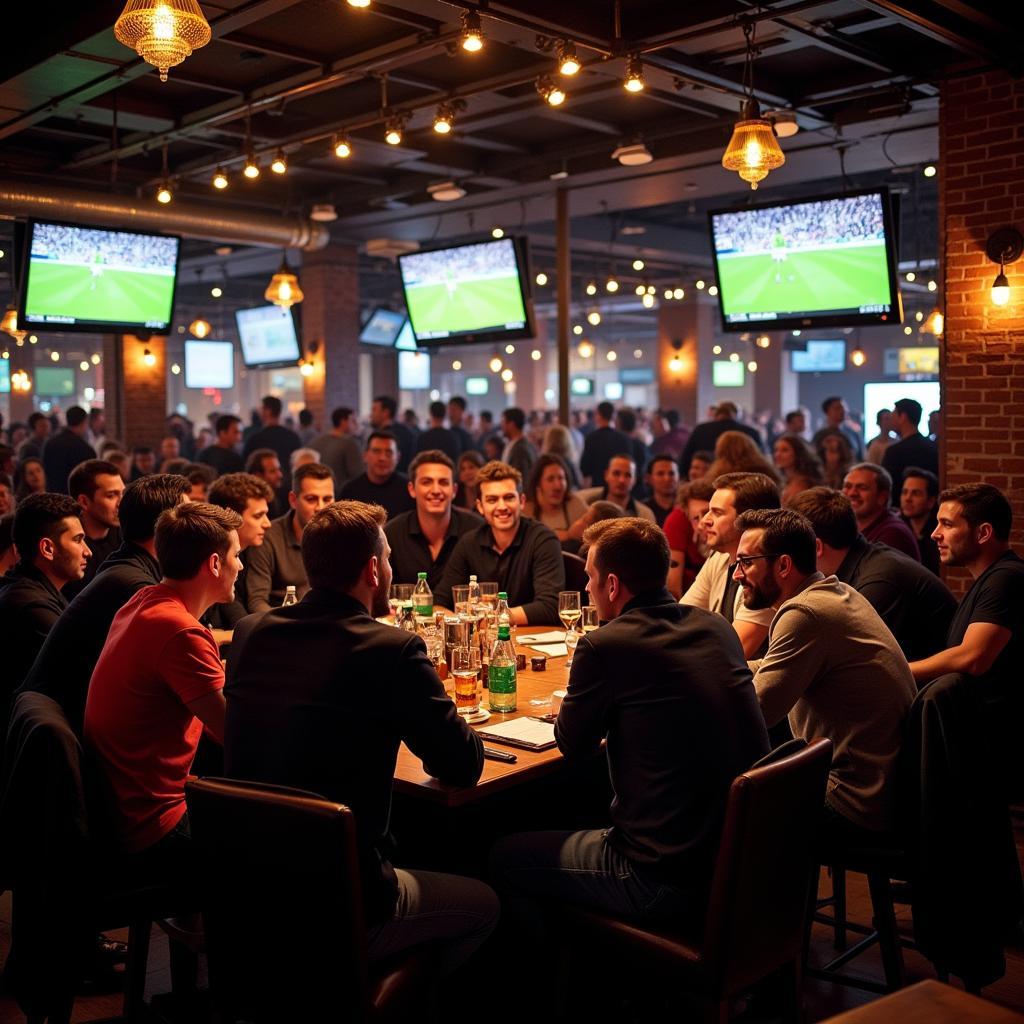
[
  {"x": 929, "y": 1002},
  {"x": 412, "y": 780}
]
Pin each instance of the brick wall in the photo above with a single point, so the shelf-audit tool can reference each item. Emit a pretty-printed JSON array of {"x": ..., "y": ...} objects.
[
  {"x": 981, "y": 146},
  {"x": 135, "y": 394}
]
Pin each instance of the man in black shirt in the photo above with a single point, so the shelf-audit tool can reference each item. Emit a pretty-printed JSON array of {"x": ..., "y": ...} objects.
[
  {"x": 223, "y": 454},
  {"x": 273, "y": 435},
  {"x": 705, "y": 435},
  {"x": 97, "y": 487},
  {"x": 601, "y": 444},
  {"x": 265, "y": 464},
  {"x": 456, "y": 410},
  {"x": 913, "y": 602},
  {"x": 335, "y": 726},
  {"x": 913, "y": 448},
  {"x": 63, "y": 451},
  {"x": 918, "y": 498},
  {"x": 423, "y": 539},
  {"x": 437, "y": 437},
  {"x": 521, "y": 554},
  {"x": 382, "y": 418},
  {"x": 662, "y": 478},
  {"x": 381, "y": 484},
  {"x": 64, "y": 665},
  {"x": 668, "y": 688}
]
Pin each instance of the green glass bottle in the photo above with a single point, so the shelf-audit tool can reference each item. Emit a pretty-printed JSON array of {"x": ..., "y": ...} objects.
[{"x": 501, "y": 674}]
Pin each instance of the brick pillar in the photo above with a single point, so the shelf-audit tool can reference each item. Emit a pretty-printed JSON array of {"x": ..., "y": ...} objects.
[
  {"x": 21, "y": 405},
  {"x": 330, "y": 323},
  {"x": 693, "y": 324},
  {"x": 135, "y": 394},
  {"x": 981, "y": 127}
]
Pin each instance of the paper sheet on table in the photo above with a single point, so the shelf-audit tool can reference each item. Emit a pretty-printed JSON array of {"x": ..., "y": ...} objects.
[
  {"x": 544, "y": 643},
  {"x": 526, "y": 733}
]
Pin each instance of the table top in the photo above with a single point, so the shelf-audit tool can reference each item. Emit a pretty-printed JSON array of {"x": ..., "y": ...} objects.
[{"x": 929, "y": 1002}]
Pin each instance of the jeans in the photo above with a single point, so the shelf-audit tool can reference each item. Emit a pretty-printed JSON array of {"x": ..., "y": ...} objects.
[{"x": 454, "y": 913}]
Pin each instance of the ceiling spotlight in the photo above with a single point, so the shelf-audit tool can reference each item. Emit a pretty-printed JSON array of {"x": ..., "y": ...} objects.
[
  {"x": 444, "y": 119},
  {"x": 164, "y": 194},
  {"x": 342, "y": 147},
  {"x": 472, "y": 37},
  {"x": 640, "y": 290},
  {"x": 550, "y": 91},
  {"x": 393, "y": 132},
  {"x": 577, "y": 329},
  {"x": 445, "y": 191},
  {"x": 668, "y": 294},
  {"x": 220, "y": 178},
  {"x": 783, "y": 121},
  {"x": 611, "y": 355},
  {"x": 541, "y": 278},
  {"x": 360, "y": 4},
  {"x": 252, "y": 167},
  {"x": 611, "y": 285},
  {"x": 634, "y": 81},
  {"x": 911, "y": 276},
  {"x": 506, "y": 375},
  {"x": 930, "y": 171},
  {"x": 95, "y": 359},
  {"x": 716, "y": 350},
  {"x": 55, "y": 356},
  {"x": 858, "y": 356},
  {"x": 638, "y": 353},
  {"x": 700, "y": 285},
  {"x": 536, "y": 355},
  {"x": 497, "y": 232},
  {"x": 280, "y": 163},
  {"x": 932, "y": 286},
  {"x": 456, "y": 364},
  {"x": 734, "y": 357},
  {"x": 593, "y": 318},
  {"x": 752, "y": 366},
  {"x": 919, "y": 316},
  {"x": 510, "y": 350},
  {"x": 591, "y": 288},
  {"x": 200, "y": 328},
  {"x": 713, "y": 290},
  {"x": 651, "y": 290},
  {"x": 495, "y": 364},
  {"x": 647, "y": 301},
  {"x": 568, "y": 62},
  {"x": 678, "y": 293},
  {"x": 84, "y": 365},
  {"x": 585, "y": 349},
  {"x": 908, "y": 329},
  {"x": 175, "y": 369},
  {"x": 323, "y": 212},
  {"x": 216, "y": 291},
  {"x": 638, "y": 264}
]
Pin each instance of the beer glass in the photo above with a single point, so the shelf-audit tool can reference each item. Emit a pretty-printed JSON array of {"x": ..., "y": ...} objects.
[{"x": 466, "y": 673}]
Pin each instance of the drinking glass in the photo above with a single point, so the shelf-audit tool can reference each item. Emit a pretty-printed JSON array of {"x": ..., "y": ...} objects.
[
  {"x": 460, "y": 599},
  {"x": 398, "y": 595},
  {"x": 489, "y": 594},
  {"x": 572, "y": 638},
  {"x": 456, "y": 634},
  {"x": 569, "y": 610},
  {"x": 589, "y": 618},
  {"x": 466, "y": 673}
]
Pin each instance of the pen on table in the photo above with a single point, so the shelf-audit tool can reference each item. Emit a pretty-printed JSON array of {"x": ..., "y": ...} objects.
[{"x": 499, "y": 755}]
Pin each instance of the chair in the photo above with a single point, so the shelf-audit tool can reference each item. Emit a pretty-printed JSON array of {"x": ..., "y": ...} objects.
[
  {"x": 282, "y": 908},
  {"x": 67, "y": 885},
  {"x": 575, "y": 572},
  {"x": 754, "y": 923}
]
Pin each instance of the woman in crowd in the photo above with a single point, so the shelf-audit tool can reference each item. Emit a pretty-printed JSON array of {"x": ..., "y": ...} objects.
[
  {"x": 799, "y": 465},
  {"x": 735, "y": 452},
  {"x": 469, "y": 465},
  {"x": 558, "y": 441},
  {"x": 548, "y": 497},
  {"x": 836, "y": 457},
  {"x": 29, "y": 478}
]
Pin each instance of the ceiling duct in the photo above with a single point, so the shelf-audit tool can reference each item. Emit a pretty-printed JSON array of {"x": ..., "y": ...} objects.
[{"x": 191, "y": 220}]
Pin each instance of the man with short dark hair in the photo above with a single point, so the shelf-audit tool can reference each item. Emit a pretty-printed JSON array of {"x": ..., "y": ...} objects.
[
  {"x": 437, "y": 437},
  {"x": 913, "y": 448},
  {"x": 666, "y": 686},
  {"x": 796, "y": 422},
  {"x": 336, "y": 726},
  {"x": 669, "y": 436},
  {"x": 97, "y": 487},
  {"x": 836, "y": 413},
  {"x": 68, "y": 657},
  {"x": 381, "y": 483},
  {"x": 914, "y": 603},
  {"x": 456, "y": 411},
  {"x": 143, "y": 461},
  {"x": 423, "y": 539},
  {"x": 521, "y": 554},
  {"x": 831, "y": 666},
  {"x": 625, "y": 420},
  {"x": 39, "y": 430},
  {"x": 601, "y": 444},
  {"x": 382, "y": 418},
  {"x": 340, "y": 449},
  {"x": 159, "y": 681},
  {"x": 7, "y": 501},
  {"x": 518, "y": 452},
  {"x": 868, "y": 487},
  {"x": 619, "y": 483},
  {"x": 223, "y": 454},
  {"x": 276, "y": 564},
  {"x": 63, "y": 451},
  {"x": 662, "y": 478},
  {"x": 265, "y": 464},
  {"x": 273, "y": 434},
  {"x": 52, "y": 551},
  {"x": 919, "y": 498},
  {"x": 705, "y": 435}
]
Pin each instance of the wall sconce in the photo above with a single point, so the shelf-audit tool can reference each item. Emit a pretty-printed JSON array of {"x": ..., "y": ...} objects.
[
  {"x": 1003, "y": 246},
  {"x": 148, "y": 358},
  {"x": 21, "y": 381},
  {"x": 675, "y": 364}
]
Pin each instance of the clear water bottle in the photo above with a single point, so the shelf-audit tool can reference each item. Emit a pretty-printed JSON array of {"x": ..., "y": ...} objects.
[
  {"x": 474, "y": 593},
  {"x": 501, "y": 674},
  {"x": 290, "y": 597}
]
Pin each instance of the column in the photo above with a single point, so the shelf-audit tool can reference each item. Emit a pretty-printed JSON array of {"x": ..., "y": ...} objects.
[
  {"x": 691, "y": 325},
  {"x": 135, "y": 388},
  {"x": 21, "y": 404}
]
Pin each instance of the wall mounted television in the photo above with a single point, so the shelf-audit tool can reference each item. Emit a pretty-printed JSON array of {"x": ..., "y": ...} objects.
[
  {"x": 413, "y": 371},
  {"x": 382, "y": 328},
  {"x": 209, "y": 364},
  {"x": 825, "y": 261},
  {"x": 54, "y": 381},
  {"x": 5, "y": 376},
  {"x": 83, "y": 278},
  {"x": 406, "y": 340},
  {"x": 267, "y": 336},
  {"x": 468, "y": 293},
  {"x": 820, "y": 357},
  {"x": 727, "y": 374}
]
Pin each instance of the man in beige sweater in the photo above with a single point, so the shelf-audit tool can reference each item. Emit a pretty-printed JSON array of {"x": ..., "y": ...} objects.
[{"x": 832, "y": 666}]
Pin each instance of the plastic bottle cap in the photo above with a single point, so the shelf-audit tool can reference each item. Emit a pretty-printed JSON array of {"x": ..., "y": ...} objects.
[
  {"x": 502, "y": 596},
  {"x": 421, "y": 575}
]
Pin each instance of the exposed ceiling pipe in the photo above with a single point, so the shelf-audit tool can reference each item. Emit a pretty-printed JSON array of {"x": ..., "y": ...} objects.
[{"x": 192, "y": 220}]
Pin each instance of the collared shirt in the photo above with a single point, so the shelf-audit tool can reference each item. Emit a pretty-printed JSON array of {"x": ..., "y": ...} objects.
[
  {"x": 274, "y": 565},
  {"x": 530, "y": 570},
  {"x": 410, "y": 550}
]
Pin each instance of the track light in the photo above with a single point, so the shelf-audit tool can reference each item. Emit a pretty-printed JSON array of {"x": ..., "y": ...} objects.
[
  {"x": 444, "y": 119},
  {"x": 359, "y": 4},
  {"x": 342, "y": 147},
  {"x": 497, "y": 232},
  {"x": 634, "y": 81},
  {"x": 220, "y": 178},
  {"x": 472, "y": 38},
  {"x": 280, "y": 162},
  {"x": 164, "y": 193},
  {"x": 550, "y": 91},
  {"x": 252, "y": 167},
  {"x": 393, "y": 132},
  {"x": 568, "y": 62}
]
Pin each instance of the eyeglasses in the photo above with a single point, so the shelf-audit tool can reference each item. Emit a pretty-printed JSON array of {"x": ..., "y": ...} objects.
[{"x": 744, "y": 562}]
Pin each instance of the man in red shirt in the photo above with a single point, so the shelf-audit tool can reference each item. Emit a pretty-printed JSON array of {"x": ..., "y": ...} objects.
[{"x": 159, "y": 679}]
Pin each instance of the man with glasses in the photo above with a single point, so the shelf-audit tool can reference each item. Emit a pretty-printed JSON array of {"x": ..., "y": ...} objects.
[
  {"x": 381, "y": 484},
  {"x": 831, "y": 666},
  {"x": 521, "y": 554}
]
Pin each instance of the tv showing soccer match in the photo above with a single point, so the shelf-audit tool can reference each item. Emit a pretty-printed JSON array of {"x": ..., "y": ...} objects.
[
  {"x": 209, "y": 364},
  {"x": 821, "y": 262},
  {"x": 467, "y": 293},
  {"x": 382, "y": 328},
  {"x": 81, "y": 278},
  {"x": 267, "y": 336},
  {"x": 819, "y": 357}
]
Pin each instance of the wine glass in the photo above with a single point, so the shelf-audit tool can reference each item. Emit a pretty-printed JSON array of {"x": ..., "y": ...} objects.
[
  {"x": 589, "y": 618},
  {"x": 569, "y": 609}
]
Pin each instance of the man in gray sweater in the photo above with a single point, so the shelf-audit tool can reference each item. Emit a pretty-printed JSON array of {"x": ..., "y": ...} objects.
[{"x": 832, "y": 666}]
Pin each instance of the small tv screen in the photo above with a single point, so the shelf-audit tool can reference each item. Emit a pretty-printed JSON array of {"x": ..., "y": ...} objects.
[
  {"x": 406, "y": 340},
  {"x": 827, "y": 261},
  {"x": 209, "y": 364},
  {"x": 477, "y": 385},
  {"x": 54, "y": 381},
  {"x": 81, "y": 278},
  {"x": 581, "y": 386},
  {"x": 917, "y": 360},
  {"x": 413, "y": 371},
  {"x": 267, "y": 336},
  {"x": 5, "y": 376},
  {"x": 613, "y": 390},
  {"x": 382, "y": 328},
  {"x": 467, "y": 293},
  {"x": 820, "y": 357},
  {"x": 727, "y": 374}
]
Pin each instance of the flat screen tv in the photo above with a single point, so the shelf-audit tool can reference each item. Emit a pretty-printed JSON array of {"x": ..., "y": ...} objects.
[
  {"x": 581, "y": 386},
  {"x": 382, "y": 328},
  {"x": 467, "y": 293},
  {"x": 406, "y": 340},
  {"x": 54, "y": 381},
  {"x": 820, "y": 357},
  {"x": 727, "y": 374},
  {"x": 5, "y": 376},
  {"x": 209, "y": 364},
  {"x": 477, "y": 385},
  {"x": 81, "y": 278},
  {"x": 827, "y": 261},
  {"x": 413, "y": 371},
  {"x": 267, "y": 336}
]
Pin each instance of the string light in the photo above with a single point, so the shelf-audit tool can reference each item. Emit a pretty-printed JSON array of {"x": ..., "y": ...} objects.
[
  {"x": 541, "y": 278},
  {"x": 611, "y": 285},
  {"x": 472, "y": 37},
  {"x": 279, "y": 165},
  {"x": 497, "y": 232},
  {"x": 536, "y": 355},
  {"x": 634, "y": 74},
  {"x": 495, "y": 364},
  {"x": 220, "y": 178},
  {"x": 342, "y": 147},
  {"x": 393, "y": 132},
  {"x": 585, "y": 349},
  {"x": 591, "y": 288}
]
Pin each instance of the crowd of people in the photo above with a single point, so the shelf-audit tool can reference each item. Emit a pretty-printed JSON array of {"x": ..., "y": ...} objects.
[
  {"x": 88, "y": 246},
  {"x": 750, "y": 589}
]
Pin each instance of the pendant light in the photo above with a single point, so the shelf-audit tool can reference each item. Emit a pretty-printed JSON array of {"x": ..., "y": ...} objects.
[
  {"x": 753, "y": 150},
  {"x": 162, "y": 32},
  {"x": 284, "y": 290}
]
